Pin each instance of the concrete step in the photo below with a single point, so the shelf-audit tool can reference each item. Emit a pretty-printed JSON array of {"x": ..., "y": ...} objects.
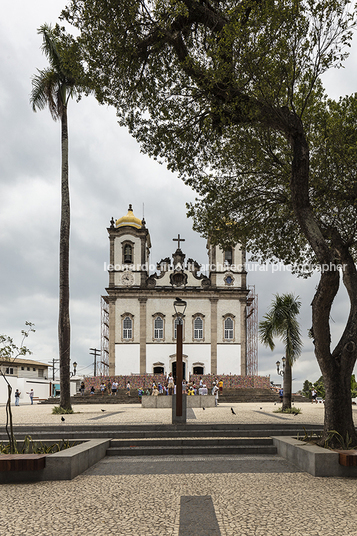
[
  {"x": 191, "y": 441},
  {"x": 190, "y": 450},
  {"x": 132, "y": 432}
]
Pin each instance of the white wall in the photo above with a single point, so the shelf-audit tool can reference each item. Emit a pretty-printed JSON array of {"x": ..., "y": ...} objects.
[
  {"x": 193, "y": 353},
  {"x": 24, "y": 385},
  {"x": 228, "y": 358},
  {"x": 198, "y": 353},
  {"x": 127, "y": 359}
]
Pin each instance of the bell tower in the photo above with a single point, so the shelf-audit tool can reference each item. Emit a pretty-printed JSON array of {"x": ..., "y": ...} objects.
[
  {"x": 129, "y": 251},
  {"x": 227, "y": 266}
]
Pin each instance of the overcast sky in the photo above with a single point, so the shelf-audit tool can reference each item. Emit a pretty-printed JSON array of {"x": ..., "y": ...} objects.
[{"x": 107, "y": 172}]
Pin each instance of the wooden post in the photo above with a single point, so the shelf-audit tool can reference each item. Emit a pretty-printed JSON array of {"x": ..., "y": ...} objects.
[{"x": 179, "y": 371}]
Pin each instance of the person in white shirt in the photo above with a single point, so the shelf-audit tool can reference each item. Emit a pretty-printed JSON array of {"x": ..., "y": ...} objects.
[
  {"x": 215, "y": 392},
  {"x": 114, "y": 388}
]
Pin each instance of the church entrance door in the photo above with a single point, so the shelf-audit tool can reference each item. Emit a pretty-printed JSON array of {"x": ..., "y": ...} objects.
[{"x": 174, "y": 370}]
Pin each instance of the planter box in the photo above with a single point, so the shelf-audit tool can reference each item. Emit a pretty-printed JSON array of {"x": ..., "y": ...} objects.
[
  {"x": 165, "y": 401},
  {"x": 312, "y": 459},
  {"x": 64, "y": 465},
  {"x": 22, "y": 462}
]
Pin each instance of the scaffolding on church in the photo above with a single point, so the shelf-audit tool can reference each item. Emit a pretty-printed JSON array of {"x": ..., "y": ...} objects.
[
  {"x": 103, "y": 364},
  {"x": 252, "y": 332}
]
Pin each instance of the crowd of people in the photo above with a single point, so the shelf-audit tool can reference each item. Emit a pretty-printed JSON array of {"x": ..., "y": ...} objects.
[
  {"x": 189, "y": 388},
  {"x": 161, "y": 388}
]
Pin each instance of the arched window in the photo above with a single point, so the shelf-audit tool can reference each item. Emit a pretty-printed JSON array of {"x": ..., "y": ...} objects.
[
  {"x": 128, "y": 254},
  {"x": 127, "y": 328},
  {"x": 228, "y": 328},
  {"x": 198, "y": 328},
  {"x": 228, "y": 256},
  {"x": 158, "y": 328}
]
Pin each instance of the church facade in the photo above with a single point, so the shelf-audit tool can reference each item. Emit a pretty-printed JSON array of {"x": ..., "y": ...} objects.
[{"x": 142, "y": 319}]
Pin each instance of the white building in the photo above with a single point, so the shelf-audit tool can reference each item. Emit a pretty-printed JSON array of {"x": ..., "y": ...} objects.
[
  {"x": 24, "y": 375},
  {"x": 142, "y": 320}
]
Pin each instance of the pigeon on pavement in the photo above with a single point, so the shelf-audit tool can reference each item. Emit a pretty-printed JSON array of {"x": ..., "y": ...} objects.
[
  {"x": 232, "y": 410},
  {"x": 62, "y": 419}
]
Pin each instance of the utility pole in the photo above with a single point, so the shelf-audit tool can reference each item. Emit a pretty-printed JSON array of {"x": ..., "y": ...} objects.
[
  {"x": 53, "y": 367},
  {"x": 95, "y": 352}
]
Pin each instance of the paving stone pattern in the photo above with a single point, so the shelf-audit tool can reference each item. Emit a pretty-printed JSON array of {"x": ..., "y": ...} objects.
[{"x": 251, "y": 495}]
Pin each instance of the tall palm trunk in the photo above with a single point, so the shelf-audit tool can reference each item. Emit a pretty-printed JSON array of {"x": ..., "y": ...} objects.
[
  {"x": 287, "y": 381},
  {"x": 64, "y": 329}
]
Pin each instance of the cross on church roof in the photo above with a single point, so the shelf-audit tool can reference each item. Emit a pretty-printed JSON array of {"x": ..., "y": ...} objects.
[{"x": 178, "y": 240}]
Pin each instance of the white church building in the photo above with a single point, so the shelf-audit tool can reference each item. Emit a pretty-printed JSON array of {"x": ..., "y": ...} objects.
[{"x": 142, "y": 319}]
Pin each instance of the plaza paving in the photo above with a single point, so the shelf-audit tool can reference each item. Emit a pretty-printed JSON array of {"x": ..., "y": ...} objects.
[{"x": 181, "y": 496}]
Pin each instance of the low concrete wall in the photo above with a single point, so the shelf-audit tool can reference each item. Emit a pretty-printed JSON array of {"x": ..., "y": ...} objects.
[
  {"x": 312, "y": 459},
  {"x": 165, "y": 401},
  {"x": 64, "y": 465}
]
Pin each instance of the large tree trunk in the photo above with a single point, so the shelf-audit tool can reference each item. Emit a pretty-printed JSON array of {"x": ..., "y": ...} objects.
[
  {"x": 336, "y": 366},
  {"x": 64, "y": 330}
]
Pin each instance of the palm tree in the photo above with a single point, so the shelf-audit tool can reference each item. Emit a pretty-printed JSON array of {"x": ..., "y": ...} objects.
[
  {"x": 52, "y": 87},
  {"x": 280, "y": 321}
]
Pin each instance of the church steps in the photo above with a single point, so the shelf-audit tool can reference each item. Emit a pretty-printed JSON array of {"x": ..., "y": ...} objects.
[
  {"x": 192, "y": 450},
  {"x": 189, "y": 441},
  {"x": 228, "y": 396}
]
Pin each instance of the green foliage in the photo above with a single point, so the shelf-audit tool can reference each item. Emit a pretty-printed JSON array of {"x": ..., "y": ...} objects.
[
  {"x": 306, "y": 389},
  {"x": 281, "y": 321},
  {"x": 9, "y": 350},
  {"x": 64, "y": 78},
  {"x": 293, "y": 411},
  {"x": 33, "y": 447},
  {"x": 211, "y": 90},
  {"x": 310, "y": 436},
  {"x": 353, "y": 386},
  {"x": 57, "y": 410},
  {"x": 344, "y": 443},
  {"x": 320, "y": 388}
]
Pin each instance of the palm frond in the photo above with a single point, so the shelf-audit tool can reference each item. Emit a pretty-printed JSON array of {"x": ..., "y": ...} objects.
[
  {"x": 45, "y": 87},
  {"x": 50, "y": 46},
  {"x": 280, "y": 321}
]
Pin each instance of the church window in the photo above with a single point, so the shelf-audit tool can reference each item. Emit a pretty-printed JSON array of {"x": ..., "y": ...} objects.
[
  {"x": 228, "y": 256},
  {"x": 127, "y": 328},
  {"x": 158, "y": 328},
  {"x": 128, "y": 254},
  {"x": 198, "y": 328},
  {"x": 228, "y": 328}
]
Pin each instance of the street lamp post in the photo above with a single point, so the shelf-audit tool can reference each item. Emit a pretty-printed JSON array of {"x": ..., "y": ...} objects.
[
  {"x": 180, "y": 308},
  {"x": 281, "y": 372},
  {"x": 287, "y": 381}
]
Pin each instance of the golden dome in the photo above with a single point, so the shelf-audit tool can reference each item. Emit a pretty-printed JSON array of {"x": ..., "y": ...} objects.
[{"x": 129, "y": 219}]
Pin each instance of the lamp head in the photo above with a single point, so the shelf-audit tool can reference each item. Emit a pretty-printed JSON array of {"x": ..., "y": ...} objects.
[{"x": 180, "y": 306}]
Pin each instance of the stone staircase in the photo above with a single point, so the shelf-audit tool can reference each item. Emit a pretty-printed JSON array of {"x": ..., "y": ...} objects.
[
  {"x": 173, "y": 440},
  {"x": 230, "y": 396},
  {"x": 191, "y": 446}
]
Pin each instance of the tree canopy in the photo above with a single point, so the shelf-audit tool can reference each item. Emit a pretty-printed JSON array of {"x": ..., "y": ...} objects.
[
  {"x": 215, "y": 89},
  {"x": 228, "y": 93}
]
